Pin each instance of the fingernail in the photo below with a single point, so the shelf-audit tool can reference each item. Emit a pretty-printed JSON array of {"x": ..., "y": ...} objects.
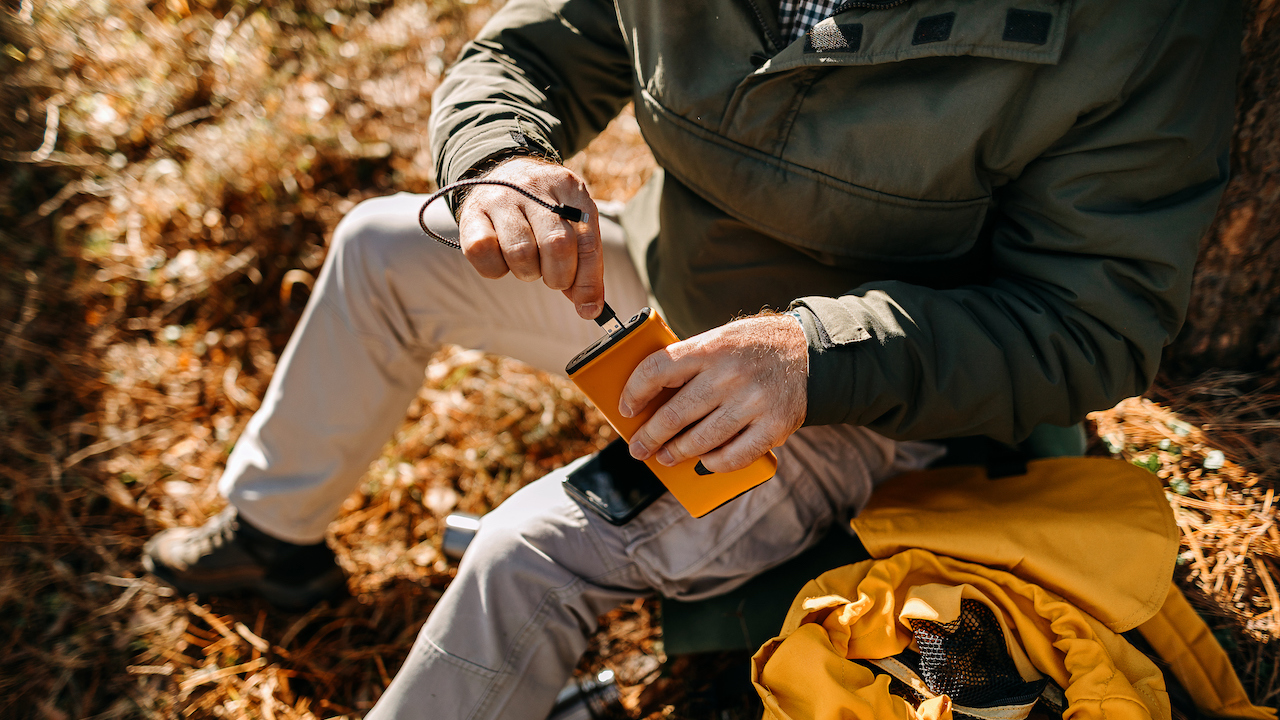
[
  {"x": 637, "y": 450},
  {"x": 665, "y": 458},
  {"x": 624, "y": 409},
  {"x": 588, "y": 311}
]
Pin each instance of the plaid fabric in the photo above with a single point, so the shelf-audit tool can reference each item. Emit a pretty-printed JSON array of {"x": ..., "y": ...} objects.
[{"x": 796, "y": 16}]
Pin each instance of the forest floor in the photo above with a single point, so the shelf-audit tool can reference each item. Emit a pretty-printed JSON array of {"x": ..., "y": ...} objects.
[{"x": 170, "y": 175}]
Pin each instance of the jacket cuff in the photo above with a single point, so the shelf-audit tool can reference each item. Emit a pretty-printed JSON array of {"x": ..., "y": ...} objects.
[
  {"x": 832, "y": 345},
  {"x": 472, "y": 153}
]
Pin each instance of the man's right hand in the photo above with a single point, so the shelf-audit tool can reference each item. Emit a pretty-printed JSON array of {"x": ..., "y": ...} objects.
[{"x": 503, "y": 231}]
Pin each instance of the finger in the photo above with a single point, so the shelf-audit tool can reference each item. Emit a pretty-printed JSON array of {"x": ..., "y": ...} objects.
[
  {"x": 515, "y": 237},
  {"x": 692, "y": 403},
  {"x": 557, "y": 251},
  {"x": 587, "y": 291},
  {"x": 479, "y": 243},
  {"x": 659, "y": 370},
  {"x": 745, "y": 448},
  {"x": 713, "y": 431},
  {"x": 650, "y": 436}
]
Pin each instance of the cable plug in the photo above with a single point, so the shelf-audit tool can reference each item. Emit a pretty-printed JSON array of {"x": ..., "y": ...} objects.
[{"x": 572, "y": 214}]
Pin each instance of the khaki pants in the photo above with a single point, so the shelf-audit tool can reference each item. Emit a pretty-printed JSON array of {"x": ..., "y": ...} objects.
[{"x": 510, "y": 629}]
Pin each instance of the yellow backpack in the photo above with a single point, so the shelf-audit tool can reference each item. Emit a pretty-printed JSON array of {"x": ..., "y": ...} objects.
[{"x": 994, "y": 599}]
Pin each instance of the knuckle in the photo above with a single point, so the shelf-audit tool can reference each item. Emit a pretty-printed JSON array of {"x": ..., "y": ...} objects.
[
  {"x": 730, "y": 419},
  {"x": 486, "y": 259},
  {"x": 522, "y": 254},
  {"x": 647, "y": 369},
  {"x": 644, "y": 436},
  {"x": 588, "y": 245},
  {"x": 685, "y": 348},
  {"x": 703, "y": 438},
  {"x": 586, "y": 289},
  {"x": 669, "y": 416},
  {"x": 755, "y": 397},
  {"x": 751, "y": 450},
  {"x": 556, "y": 241},
  {"x": 678, "y": 449}
]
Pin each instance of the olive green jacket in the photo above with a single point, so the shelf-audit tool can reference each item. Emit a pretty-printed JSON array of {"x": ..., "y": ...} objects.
[{"x": 989, "y": 210}]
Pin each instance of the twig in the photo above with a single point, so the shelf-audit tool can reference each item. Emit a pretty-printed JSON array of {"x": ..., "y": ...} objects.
[
  {"x": 191, "y": 116},
  {"x": 107, "y": 445},
  {"x": 56, "y": 158},
  {"x": 203, "y": 676},
  {"x": 1187, "y": 532},
  {"x": 234, "y": 392},
  {"x": 120, "y": 602},
  {"x": 28, "y": 312},
  {"x": 214, "y": 622},
  {"x": 149, "y": 669},
  {"x": 53, "y": 112},
  {"x": 124, "y": 582},
  {"x": 299, "y": 624},
  {"x": 257, "y": 642},
  {"x": 1261, "y": 567}
]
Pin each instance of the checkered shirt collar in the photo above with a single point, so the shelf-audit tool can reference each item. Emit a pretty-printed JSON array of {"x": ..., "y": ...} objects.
[{"x": 796, "y": 17}]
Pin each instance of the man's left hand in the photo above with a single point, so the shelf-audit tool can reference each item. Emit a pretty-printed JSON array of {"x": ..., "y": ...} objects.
[{"x": 743, "y": 389}]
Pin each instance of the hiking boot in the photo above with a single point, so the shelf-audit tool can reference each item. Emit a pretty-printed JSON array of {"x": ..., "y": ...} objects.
[{"x": 227, "y": 555}]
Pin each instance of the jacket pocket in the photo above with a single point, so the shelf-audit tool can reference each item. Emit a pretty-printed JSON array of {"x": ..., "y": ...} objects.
[{"x": 906, "y": 118}]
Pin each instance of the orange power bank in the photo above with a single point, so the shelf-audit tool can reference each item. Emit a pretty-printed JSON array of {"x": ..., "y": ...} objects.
[{"x": 602, "y": 370}]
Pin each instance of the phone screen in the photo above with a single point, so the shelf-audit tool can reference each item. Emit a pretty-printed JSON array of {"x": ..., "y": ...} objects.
[{"x": 614, "y": 484}]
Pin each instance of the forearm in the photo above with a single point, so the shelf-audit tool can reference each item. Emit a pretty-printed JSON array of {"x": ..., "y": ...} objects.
[{"x": 913, "y": 363}]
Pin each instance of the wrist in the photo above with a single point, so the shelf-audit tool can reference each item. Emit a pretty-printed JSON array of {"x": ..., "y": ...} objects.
[{"x": 487, "y": 166}]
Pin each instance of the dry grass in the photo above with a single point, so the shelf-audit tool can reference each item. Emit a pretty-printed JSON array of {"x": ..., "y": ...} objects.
[
  {"x": 163, "y": 167},
  {"x": 1230, "y": 555}
]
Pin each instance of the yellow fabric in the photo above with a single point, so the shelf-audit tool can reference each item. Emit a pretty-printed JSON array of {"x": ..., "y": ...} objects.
[
  {"x": 1181, "y": 638},
  {"x": 1066, "y": 556},
  {"x": 1095, "y": 530},
  {"x": 852, "y": 612}
]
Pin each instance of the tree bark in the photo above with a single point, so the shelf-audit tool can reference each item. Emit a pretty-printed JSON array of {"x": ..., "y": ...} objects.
[{"x": 1234, "y": 319}]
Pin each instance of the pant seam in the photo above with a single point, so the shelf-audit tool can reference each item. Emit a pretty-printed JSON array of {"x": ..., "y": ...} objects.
[{"x": 459, "y": 662}]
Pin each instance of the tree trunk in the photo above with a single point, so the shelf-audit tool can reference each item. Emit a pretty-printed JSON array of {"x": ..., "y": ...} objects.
[{"x": 1234, "y": 320}]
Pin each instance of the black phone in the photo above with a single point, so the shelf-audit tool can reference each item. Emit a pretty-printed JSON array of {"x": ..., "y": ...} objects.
[{"x": 614, "y": 485}]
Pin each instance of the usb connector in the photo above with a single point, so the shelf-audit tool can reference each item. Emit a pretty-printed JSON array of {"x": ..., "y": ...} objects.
[{"x": 608, "y": 320}]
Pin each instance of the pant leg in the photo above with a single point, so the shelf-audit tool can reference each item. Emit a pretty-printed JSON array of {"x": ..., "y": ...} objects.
[
  {"x": 508, "y": 632},
  {"x": 387, "y": 298}
]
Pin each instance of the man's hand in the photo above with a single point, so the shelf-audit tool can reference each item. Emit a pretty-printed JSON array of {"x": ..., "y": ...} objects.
[
  {"x": 743, "y": 390},
  {"x": 501, "y": 230}
]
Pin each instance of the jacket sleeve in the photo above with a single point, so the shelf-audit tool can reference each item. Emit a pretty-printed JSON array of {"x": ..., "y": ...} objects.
[
  {"x": 1092, "y": 253},
  {"x": 543, "y": 76}
]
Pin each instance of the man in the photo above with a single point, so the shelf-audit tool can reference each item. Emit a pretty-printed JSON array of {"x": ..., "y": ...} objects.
[{"x": 983, "y": 215}]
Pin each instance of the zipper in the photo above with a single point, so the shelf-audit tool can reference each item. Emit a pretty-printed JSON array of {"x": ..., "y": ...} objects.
[{"x": 867, "y": 5}]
